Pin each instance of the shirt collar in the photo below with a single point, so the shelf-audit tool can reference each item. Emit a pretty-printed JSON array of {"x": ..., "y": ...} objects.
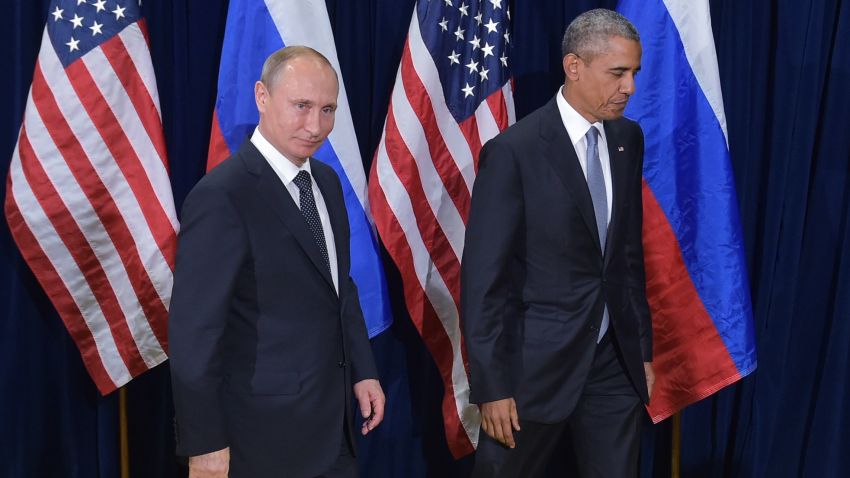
[
  {"x": 576, "y": 125},
  {"x": 286, "y": 169}
]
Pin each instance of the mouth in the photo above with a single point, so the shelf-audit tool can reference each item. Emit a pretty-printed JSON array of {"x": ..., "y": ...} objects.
[{"x": 311, "y": 142}]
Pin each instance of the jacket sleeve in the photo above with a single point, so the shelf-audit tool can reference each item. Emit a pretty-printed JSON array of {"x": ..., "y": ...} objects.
[
  {"x": 212, "y": 247},
  {"x": 636, "y": 260},
  {"x": 495, "y": 218},
  {"x": 359, "y": 347}
]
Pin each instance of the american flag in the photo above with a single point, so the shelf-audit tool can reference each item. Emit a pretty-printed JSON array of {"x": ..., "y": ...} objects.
[
  {"x": 452, "y": 94},
  {"x": 88, "y": 198}
]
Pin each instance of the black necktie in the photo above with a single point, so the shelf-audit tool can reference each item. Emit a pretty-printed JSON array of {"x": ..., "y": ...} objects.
[{"x": 311, "y": 213}]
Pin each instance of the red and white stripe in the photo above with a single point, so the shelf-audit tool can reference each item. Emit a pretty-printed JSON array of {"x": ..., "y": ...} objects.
[
  {"x": 419, "y": 190},
  {"x": 89, "y": 203}
]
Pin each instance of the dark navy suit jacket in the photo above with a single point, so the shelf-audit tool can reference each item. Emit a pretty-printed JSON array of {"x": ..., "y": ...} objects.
[
  {"x": 534, "y": 279},
  {"x": 263, "y": 350}
]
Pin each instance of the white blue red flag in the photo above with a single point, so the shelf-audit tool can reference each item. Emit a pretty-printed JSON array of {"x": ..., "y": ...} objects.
[
  {"x": 88, "y": 199},
  {"x": 697, "y": 282},
  {"x": 255, "y": 29},
  {"x": 452, "y": 93}
]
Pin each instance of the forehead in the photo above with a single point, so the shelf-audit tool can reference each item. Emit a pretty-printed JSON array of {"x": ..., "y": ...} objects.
[
  {"x": 618, "y": 51},
  {"x": 306, "y": 75}
]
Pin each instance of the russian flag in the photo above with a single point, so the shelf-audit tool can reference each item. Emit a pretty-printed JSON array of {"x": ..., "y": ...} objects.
[
  {"x": 254, "y": 30},
  {"x": 697, "y": 282}
]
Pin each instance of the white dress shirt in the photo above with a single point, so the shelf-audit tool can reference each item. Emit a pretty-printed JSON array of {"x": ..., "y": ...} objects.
[
  {"x": 287, "y": 170},
  {"x": 577, "y": 127}
]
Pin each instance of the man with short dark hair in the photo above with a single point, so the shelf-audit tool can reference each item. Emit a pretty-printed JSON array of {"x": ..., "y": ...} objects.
[
  {"x": 266, "y": 333},
  {"x": 556, "y": 322}
]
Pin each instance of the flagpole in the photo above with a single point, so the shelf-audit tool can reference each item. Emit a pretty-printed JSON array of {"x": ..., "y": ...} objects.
[
  {"x": 676, "y": 446},
  {"x": 123, "y": 440}
]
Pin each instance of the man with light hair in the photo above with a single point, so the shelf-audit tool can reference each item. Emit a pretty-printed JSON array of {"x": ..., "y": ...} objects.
[
  {"x": 267, "y": 339},
  {"x": 556, "y": 322}
]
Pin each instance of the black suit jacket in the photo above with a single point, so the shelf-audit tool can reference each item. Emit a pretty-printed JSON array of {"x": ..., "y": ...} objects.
[
  {"x": 263, "y": 350},
  {"x": 534, "y": 279}
]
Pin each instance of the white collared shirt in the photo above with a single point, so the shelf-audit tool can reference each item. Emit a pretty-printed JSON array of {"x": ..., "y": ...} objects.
[
  {"x": 577, "y": 127},
  {"x": 286, "y": 170}
]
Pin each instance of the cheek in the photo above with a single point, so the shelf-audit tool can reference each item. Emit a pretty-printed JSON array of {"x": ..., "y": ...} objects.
[
  {"x": 290, "y": 122},
  {"x": 610, "y": 92},
  {"x": 604, "y": 95},
  {"x": 603, "y": 91}
]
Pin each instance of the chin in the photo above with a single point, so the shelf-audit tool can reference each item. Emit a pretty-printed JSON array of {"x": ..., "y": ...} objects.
[
  {"x": 613, "y": 115},
  {"x": 309, "y": 154}
]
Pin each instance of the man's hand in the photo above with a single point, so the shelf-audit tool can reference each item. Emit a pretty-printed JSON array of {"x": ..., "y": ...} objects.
[
  {"x": 499, "y": 419},
  {"x": 371, "y": 399},
  {"x": 650, "y": 377},
  {"x": 211, "y": 465}
]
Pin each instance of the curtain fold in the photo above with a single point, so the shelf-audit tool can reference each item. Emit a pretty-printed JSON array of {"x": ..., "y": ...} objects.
[
  {"x": 782, "y": 66},
  {"x": 53, "y": 421}
]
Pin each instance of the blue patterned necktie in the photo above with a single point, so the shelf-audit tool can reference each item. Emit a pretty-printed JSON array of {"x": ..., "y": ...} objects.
[
  {"x": 311, "y": 212},
  {"x": 596, "y": 185}
]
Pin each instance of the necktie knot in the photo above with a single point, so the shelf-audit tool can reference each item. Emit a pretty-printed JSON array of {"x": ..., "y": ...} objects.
[
  {"x": 303, "y": 181},
  {"x": 592, "y": 137}
]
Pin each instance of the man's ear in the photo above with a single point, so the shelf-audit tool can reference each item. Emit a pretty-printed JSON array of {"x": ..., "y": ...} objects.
[
  {"x": 261, "y": 96},
  {"x": 571, "y": 66}
]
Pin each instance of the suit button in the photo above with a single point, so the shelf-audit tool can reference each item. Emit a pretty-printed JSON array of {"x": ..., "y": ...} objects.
[{"x": 341, "y": 364}]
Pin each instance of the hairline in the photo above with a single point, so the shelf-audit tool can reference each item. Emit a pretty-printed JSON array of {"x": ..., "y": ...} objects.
[
  {"x": 586, "y": 35},
  {"x": 274, "y": 65}
]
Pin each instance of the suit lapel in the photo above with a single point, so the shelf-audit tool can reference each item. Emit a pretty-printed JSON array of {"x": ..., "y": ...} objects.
[
  {"x": 619, "y": 169},
  {"x": 278, "y": 199},
  {"x": 561, "y": 154}
]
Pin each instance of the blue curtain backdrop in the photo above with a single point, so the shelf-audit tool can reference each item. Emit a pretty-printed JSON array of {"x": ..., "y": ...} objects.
[{"x": 784, "y": 68}]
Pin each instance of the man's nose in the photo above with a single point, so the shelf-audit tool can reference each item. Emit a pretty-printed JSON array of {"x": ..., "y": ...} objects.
[
  {"x": 314, "y": 122},
  {"x": 627, "y": 85}
]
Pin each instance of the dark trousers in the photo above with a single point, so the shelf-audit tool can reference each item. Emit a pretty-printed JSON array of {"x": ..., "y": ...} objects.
[
  {"x": 345, "y": 465},
  {"x": 604, "y": 427}
]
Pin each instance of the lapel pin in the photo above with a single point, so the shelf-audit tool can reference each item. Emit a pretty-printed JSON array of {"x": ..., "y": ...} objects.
[{"x": 620, "y": 149}]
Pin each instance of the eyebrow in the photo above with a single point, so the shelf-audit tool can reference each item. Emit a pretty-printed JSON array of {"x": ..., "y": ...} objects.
[{"x": 623, "y": 68}]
